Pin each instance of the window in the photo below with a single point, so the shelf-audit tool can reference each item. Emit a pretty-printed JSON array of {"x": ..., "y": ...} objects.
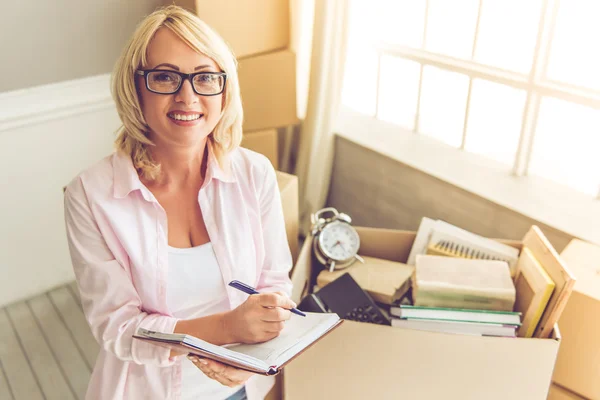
[{"x": 515, "y": 81}]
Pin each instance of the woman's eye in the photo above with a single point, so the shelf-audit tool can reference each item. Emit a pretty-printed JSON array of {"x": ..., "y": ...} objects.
[{"x": 163, "y": 77}]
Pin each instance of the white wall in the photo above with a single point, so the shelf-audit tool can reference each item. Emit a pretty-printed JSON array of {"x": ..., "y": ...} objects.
[
  {"x": 47, "y": 135},
  {"x": 60, "y": 40}
]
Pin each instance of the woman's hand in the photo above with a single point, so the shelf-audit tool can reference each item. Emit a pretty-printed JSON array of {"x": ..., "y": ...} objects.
[
  {"x": 224, "y": 374},
  {"x": 260, "y": 318}
]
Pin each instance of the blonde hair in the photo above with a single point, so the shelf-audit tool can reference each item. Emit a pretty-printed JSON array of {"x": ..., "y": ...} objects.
[{"x": 132, "y": 136}]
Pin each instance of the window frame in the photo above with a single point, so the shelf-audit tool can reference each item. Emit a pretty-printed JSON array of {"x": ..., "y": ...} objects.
[{"x": 535, "y": 84}]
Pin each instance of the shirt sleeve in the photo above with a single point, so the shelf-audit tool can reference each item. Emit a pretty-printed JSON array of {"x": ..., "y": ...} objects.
[
  {"x": 278, "y": 257},
  {"x": 111, "y": 304}
]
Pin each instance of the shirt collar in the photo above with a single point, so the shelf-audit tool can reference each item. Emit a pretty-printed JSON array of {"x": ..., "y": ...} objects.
[
  {"x": 214, "y": 170},
  {"x": 127, "y": 180}
]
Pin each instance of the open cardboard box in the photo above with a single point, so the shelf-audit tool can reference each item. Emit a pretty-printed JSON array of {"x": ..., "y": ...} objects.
[
  {"x": 578, "y": 363},
  {"x": 368, "y": 361}
]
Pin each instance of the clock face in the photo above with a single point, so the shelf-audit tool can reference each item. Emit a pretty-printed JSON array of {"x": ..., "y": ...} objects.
[{"x": 339, "y": 241}]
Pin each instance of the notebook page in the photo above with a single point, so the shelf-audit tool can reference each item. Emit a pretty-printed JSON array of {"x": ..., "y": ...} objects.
[
  {"x": 298, "y": 333},
  {"x": 484, "y": 246},
  {"x": 474, "y": 239}
]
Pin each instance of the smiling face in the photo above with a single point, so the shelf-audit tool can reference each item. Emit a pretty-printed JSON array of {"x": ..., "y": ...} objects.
[{"x": 183, "y": 118}]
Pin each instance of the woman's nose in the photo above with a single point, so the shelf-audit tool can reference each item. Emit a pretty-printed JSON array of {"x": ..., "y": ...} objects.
[{"x": 186, "y": 93}]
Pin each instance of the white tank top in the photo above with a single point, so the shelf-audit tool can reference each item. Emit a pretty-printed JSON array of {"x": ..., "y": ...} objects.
[{"x": 195, "y": 289}]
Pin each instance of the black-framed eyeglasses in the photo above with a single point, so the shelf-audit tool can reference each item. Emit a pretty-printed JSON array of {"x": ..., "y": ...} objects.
[{"x": 164, "y": 81}]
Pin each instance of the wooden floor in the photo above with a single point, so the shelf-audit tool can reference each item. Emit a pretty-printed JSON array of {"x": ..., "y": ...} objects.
[{"x": 46, "y": 348}]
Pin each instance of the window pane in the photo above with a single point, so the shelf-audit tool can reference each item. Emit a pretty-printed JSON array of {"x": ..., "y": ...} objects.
[
  {"x": 507, "y": 33},
  {"x": 398, "y": 91},
  {"x": 495, "y": 118},
  {"x": 451, "y": 27},
  {"x": 359, "y": 88},
  {"x": 400, "y": 21},
  {"x": 574, "y": 53},
  {"x": 443, "y": 101},
  {"x": 566, "y": 145}
]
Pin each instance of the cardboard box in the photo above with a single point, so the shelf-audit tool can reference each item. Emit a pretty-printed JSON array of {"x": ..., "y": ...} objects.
[
  {"x": 368, "y": 361},
  {"x": 268, "y": 86},
  {"x": 578, "y": 363},
  {"x": 249, "y": 26},
  {"x": 559, "y": 393},
  {"x": 263, "y": 142},
  {"x": 276, "y": 392},
  {"x": 288, "y": 187}
]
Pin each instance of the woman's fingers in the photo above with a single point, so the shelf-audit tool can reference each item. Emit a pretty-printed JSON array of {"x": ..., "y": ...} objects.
[
  {"x": 220, "y": 372},
  {"x": 276, "y": 314},
  {"x": 275, "y": 299}
]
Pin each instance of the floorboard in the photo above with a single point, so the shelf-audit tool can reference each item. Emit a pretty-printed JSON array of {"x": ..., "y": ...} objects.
[
  {"x": 51, "y": 379},
  {"x": 20, "y": 378},
  {"x": 62, "y": 343}
]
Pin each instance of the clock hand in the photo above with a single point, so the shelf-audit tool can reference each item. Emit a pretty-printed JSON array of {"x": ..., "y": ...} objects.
[{"x": 359, "y": 258}]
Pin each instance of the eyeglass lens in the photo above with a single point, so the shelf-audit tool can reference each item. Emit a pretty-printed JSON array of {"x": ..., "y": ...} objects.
[{"x": 168, "y": 82}]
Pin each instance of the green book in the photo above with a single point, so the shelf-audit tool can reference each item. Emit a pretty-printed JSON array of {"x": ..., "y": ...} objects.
[{"x": 457, "y": 315}]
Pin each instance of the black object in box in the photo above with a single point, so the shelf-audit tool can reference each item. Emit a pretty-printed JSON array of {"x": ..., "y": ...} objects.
[{"x": 347, "y": 299}]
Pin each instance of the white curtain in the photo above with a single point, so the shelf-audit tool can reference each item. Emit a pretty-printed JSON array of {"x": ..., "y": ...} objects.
[{"x": 325, "y": 88}]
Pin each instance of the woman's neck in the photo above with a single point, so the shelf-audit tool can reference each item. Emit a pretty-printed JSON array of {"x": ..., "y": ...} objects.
[{"x": 180, "y": 166}]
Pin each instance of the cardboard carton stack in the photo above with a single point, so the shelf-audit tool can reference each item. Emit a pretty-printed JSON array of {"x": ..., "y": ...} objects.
[{"x": 258, "y": 31}]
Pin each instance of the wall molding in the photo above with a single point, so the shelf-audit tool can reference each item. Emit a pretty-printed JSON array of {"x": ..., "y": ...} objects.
[{"x": 31, "y": 106}]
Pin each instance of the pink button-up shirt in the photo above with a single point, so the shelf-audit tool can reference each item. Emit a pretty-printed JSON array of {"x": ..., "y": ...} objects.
[{"x": 117, "y": 234}]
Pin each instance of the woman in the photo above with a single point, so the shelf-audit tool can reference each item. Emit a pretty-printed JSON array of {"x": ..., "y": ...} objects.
[{"x": 157, "y": 229}]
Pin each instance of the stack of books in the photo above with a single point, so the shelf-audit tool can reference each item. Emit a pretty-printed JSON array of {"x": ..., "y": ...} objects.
[
  {"x": 462, "y": 296},
  {"x": 463, "y": 283},
  {"x": 469, "y": 284},
  {"x": 455, "y": 320}
]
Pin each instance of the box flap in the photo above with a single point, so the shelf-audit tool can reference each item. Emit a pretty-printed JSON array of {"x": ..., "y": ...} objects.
[
  {"x": 560, "y": 393},
  {"x": 389, "y": 244},
  {"x": 288, "y": 188},
  {"x": 285, "y": 180},
  {"x": 584, "y": 260},
  {"x": 300, "y": 274}
]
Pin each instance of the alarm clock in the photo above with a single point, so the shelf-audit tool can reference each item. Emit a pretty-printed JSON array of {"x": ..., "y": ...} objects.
[{"x": 335, "y": 241}]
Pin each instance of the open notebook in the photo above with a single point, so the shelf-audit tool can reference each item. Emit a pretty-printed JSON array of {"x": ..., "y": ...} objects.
[
  {"x": 444, "y": 239},
  {"x": 266, "y": 358}
]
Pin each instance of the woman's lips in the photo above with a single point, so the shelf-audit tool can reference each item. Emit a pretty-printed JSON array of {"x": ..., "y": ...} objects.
[{"x": 185, "y": 122}]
